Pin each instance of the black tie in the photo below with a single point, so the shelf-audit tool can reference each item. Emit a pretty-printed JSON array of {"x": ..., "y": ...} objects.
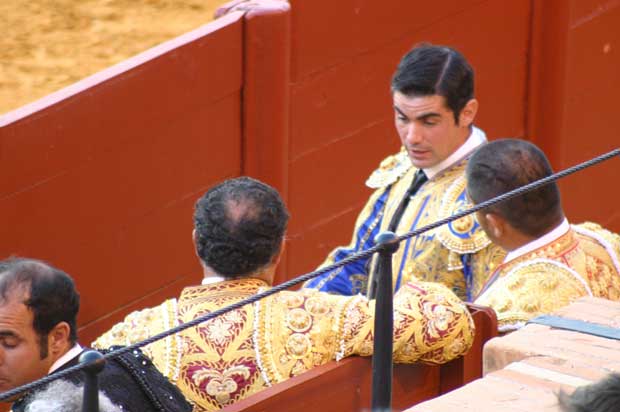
[{"x": 418, "y": 181}]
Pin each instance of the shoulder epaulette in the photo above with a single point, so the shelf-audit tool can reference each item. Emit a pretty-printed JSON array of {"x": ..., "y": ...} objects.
[
  {"x": 464, "y": 235},
  {"x": 609, "y": 240},
  {"x": 390, "y": 170}
]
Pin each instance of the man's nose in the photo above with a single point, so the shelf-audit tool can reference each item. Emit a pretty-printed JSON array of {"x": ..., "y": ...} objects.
[{"x": 414, "y": 135}]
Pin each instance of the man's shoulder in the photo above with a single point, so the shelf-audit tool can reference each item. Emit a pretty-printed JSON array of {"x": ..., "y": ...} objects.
[
  {"x": 390, "y": 170},
  {"x": 132, "y": 380},
  {"x": 139, "y": 325},
  {"x": 395, "y": 166},
  {"x": 604, "y": 238}
]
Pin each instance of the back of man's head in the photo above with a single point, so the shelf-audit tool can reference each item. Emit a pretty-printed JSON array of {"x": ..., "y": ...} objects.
[
  {"x": 506, "y": 164},
  {"x": 428, "y": 70},
  {"x": 239, "y": 226},
  {"x": 46, "y": 291},
  {"x": 601, "y": 396}
]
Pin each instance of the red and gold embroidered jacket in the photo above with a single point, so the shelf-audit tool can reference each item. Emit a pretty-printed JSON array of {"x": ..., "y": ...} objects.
[{"x": 244, "y": 351}]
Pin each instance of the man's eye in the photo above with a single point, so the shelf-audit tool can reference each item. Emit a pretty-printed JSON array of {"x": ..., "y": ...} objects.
[
  {"x": 401, "y": 118},
  {"x": 9, "y": 343}
]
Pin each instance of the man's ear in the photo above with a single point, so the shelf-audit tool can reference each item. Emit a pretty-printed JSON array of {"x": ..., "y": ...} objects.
[
  {"x": 58, "y": 340},
  {"x": 468, "y": 114},
  {"x": 195, "y": 242},
  {"x": 496, "y": 224},
  {"x": 276, "y": 259}
]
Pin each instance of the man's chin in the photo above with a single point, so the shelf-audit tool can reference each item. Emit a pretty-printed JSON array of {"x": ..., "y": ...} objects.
[
  {"x": 422, "y": 159},
  {"x": 422, "y": 163}
]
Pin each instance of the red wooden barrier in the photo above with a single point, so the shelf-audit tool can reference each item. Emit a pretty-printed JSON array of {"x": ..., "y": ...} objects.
[{"x": 100, "y": 178}]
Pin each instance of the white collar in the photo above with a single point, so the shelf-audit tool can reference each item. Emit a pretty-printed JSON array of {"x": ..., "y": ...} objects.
[
  {"x": 212, "y": 279},
  {"x": 70, "y": 354},
  {"x": 475, "y": 139},
  {"x": 547, "y": 238}
]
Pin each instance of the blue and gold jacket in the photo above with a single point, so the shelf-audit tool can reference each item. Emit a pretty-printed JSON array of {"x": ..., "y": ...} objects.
[{"x": 458, "y": 255}]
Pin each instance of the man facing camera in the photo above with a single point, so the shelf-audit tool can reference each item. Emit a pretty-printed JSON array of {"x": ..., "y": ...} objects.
[
  {"x": 239, "y": 229},
  {"x": 434, "y": 111},
  {"x": 38, "y": 336},
  {"x": 549, "y": 262}
]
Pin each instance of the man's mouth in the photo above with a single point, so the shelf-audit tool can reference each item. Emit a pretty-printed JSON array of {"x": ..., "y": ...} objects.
[{"x": 418, "y": 152}]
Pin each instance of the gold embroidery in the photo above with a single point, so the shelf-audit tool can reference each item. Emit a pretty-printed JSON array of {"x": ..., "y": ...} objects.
[
  {"x": 298, "y": 320},
  {"x": 461, "y": 235},
  {"x": 229, "y": 358},
  {"x": 546, "y": 279},
  {"x": 221, "y": 385},
  {"x": 298, "y": 345},
  {"x": 390, "y": 170},
  {"x": 439, "y": 318}
]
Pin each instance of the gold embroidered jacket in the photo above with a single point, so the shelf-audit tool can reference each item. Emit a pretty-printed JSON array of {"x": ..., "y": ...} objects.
[
  {"x": 233, "y": 356},
  {"x": 459, "y": 254},
  {"x": 582, "y": 262}
]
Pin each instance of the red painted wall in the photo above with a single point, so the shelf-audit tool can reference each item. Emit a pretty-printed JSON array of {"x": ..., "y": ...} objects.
[
  {"x": 100, "y": 178},
  {"x": 574, "y": 96},
  {"x": 341, "y": 110}
]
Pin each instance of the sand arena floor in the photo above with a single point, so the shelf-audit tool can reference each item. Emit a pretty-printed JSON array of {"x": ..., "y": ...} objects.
[{"x": 49, "y": 44}]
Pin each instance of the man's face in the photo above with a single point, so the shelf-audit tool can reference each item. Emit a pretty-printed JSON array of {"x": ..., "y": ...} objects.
[
  {"x": 20, "y": 355},
  {"x": 427, "y": 128}
]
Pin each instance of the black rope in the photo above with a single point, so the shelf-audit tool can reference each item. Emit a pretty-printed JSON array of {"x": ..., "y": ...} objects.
[
  {"x": 513, "y": 193},
  {"x": 293, "y": 282}
]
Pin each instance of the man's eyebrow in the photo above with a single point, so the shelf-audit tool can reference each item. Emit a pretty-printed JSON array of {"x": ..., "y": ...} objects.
[
  {"x": 426, "y": 116},
  {"x": 400, "y": 111},
  {"x": 8, "y": 333}
]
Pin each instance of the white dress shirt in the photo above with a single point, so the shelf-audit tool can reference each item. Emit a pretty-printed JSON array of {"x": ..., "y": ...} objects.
[
  {"x": 72, "y": 353},
  {"x": 212, "y": 279}
]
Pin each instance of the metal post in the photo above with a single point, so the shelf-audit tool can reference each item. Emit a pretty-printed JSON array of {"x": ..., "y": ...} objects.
[
  {"x": 90, "y": 403},
  {"x": 384, "y": 325}
]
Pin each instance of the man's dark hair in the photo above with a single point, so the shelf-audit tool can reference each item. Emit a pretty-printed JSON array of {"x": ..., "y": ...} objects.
[
  {"x": 506, "y": 164},
  {"x": 428, "y": 70},
  {"x": 49, "y": 293},
  {"x": 601, "y": 396},
  {"x": 239, "y": 224}
]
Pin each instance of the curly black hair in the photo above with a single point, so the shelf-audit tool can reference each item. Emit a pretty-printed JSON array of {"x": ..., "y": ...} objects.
[{"x": 239, "y": 225}]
